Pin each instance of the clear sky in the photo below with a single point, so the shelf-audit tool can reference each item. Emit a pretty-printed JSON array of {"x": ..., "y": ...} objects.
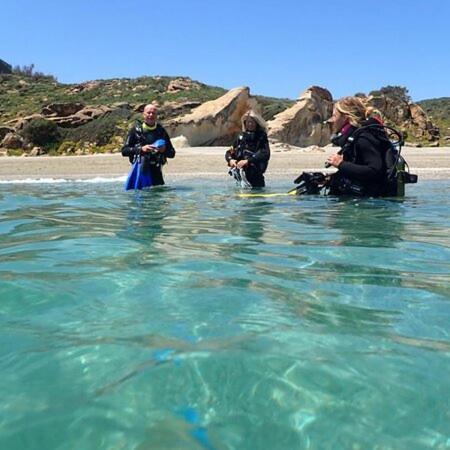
[{"x": 276, "y": 47}]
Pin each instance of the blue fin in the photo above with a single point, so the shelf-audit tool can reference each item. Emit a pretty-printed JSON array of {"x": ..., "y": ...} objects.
[
  {"x": 131, "y": 178},
  {"x": 137, "y": 179}
]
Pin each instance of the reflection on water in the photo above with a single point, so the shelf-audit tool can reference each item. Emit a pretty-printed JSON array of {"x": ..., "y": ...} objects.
[{"x": 191, "y": 318}]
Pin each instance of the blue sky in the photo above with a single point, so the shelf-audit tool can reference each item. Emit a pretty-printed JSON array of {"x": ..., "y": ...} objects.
[{"x": 277, "y": 48}]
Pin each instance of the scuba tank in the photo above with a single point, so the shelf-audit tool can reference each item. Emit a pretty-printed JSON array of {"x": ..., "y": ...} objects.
[
  {"x": 396, "y": 168},
  {"x": 400, "y": 176}
]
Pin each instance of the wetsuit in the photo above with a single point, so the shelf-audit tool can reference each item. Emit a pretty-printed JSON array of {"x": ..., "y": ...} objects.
[
  {"x": 363, "y": 170},
  {"x": 142, "y": 134},
  {"x": 253, "y": 146}
]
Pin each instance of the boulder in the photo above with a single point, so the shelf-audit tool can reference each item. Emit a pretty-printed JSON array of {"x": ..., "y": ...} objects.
[
  {"x": 215, "y": 122},
  {"x": 4, "y": 130},
  {"x": 61, "y": 109},
  {"x": 19, "y": 123},
  {"x": 81, "y": 117},
  {"x": 302, "y": 124},
  {"x": 37, "y": 151},
  {"x": 422, "y": 124},
  {"x": 12, "y": 141},
  {"x": 88, "y": 86},
  {"x": 182, "y": 84},
  {"x": 121, "y": 105},
  {"x": 172, "y": 109},
  {"x": 180, "y": 142},
  {"x": 406, "y": 116}
]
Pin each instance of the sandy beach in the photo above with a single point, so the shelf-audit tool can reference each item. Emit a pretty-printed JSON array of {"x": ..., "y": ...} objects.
[{"x": 205, "y": 162}]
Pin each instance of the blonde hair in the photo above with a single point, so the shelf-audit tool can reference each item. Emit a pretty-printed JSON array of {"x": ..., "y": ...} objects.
[
  {"x": 256, "y": 117},
  {"x": 354, "y": 108}
]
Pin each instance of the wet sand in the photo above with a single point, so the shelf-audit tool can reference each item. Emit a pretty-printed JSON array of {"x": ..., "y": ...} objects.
[{"x": 205, "y": 162}]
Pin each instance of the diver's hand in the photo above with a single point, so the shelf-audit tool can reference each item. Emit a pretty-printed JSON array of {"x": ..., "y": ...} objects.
[
  {"x": 335, "y": 160},
  {"x": 148, "y": 149},
  {"x": 232, "y": 163},
  {"x": 241, "y": 164}
]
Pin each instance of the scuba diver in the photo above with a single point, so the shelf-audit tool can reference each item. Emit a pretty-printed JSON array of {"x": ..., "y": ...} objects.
[
  {"x": 369, "y": 163},
  {"x": 249, "y": 156},
  {"x": 147, "y": 146}
]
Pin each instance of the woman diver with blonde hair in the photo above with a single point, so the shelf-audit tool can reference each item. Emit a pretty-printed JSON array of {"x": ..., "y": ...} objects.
[
  {"x": 250, "y": 152},
  {"x": 361, "y": 161}
]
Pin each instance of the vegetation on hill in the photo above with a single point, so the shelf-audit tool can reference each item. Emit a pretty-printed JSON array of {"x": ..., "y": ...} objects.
[
  {"x": 22, "y": 95},
  {"x": 25, "y": 92},
  {"x": 438, "y": 109}
]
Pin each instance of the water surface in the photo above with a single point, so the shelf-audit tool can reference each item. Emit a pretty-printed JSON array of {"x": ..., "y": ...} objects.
[{"x": 187, "y": 317}]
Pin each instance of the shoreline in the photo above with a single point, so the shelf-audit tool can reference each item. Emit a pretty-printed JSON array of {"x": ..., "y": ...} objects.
[{"x": 205, "y": 163}]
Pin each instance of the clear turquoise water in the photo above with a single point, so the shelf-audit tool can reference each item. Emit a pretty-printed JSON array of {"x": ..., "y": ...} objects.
[{"x": 190, "y": 318}]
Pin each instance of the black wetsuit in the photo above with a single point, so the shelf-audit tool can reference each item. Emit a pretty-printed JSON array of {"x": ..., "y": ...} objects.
[
  {"x": 253, "y": 146},
  {"x": 363, "y": 170},
  {"x": 137, "y": 138}
]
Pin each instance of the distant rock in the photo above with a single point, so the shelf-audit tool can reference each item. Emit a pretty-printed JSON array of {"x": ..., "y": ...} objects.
[
  {"x": 121, "y": 105},
  {"x": 406, "y": 116},
  {"x": 169, "y": 110},
  {"x": 12, "y": 141},
  {"x": 37, "y": 151},
  {"x": 81, "y": 117},
  {"x": 179, "y": 142},
  {"x": 88, "y": 86},
  {"x": 422, "y": 123},
  {"x": 5, "y": 67},
  {"x": 215, "y": 122},
  {"x": 62, "y": 109},
  {"x": 182, "y": 84},
  {"x": 302, "y": 124},
  {"x": 19, "y": 123},
  {"x": 4, "y": 131}
]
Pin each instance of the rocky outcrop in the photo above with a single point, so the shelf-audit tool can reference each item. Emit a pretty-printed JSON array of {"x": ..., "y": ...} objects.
[
  {"x": 5, "y": 67},
  {"x": 85, "y": 115},
  {"x": 12, "y": 141},
  {"x": 215, "y": 122},
  {"x": 423, "y": 125},
  {"x": 18, "y": 124},
  {"x": 170, "y": 110},
  {"x": 302, "y": 124},
  {"x": 182, "y": 84},
  {"x": 62, "y": 109},
  {"x": 88, "y": 86},
  {"x": 4, "y": 131},
  {"x": 405, "y": 115}
]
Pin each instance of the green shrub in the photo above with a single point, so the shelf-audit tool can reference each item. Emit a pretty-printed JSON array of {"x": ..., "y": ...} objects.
[
  {"x": 41, "y": 132},
  {"x": 67, "y": 147},
  {"x": 99, "y": 131}
]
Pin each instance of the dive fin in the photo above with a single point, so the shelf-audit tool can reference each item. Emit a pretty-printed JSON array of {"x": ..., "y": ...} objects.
[
  {"x": 130, "y": 182},
  {"x": 137, "y": 179},
  {"x": 258, "y": 195}
]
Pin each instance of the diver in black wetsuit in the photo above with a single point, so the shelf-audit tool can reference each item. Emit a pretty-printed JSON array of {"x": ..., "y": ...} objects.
[
  {"x": 361, "y": 162},
  {"x": 251, "y": 151},
  {"x": 139, "y": 142}
]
